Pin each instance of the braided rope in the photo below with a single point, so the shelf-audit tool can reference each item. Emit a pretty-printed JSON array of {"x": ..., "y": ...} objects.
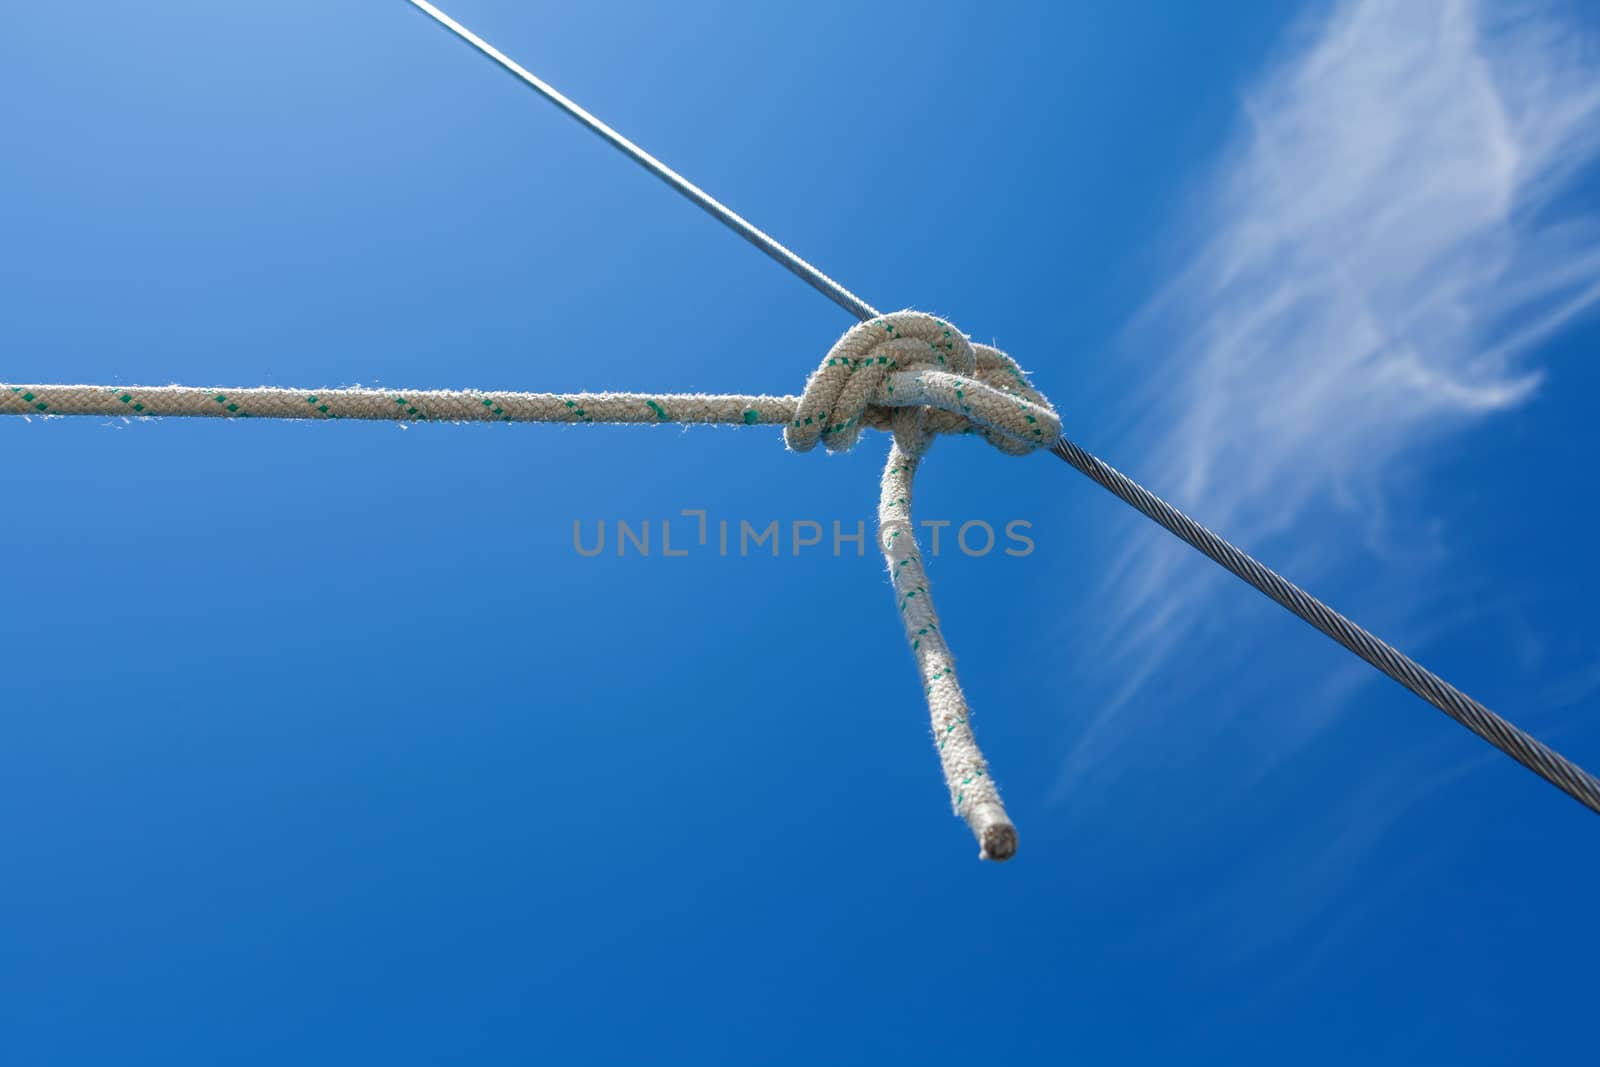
[
  {"x": 906, "y": 372},
  {"x": 954, "y": 387},
  {"x": 465, "y": 405}
]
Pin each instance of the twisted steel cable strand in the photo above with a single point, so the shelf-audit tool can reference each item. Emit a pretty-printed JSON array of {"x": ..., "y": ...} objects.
[{"x": 1520, "y": 746}]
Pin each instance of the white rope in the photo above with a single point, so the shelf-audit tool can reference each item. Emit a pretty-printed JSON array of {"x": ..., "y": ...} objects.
[
  {"x": 907, "y": 372},
  {"x": 959, "y": 387}
]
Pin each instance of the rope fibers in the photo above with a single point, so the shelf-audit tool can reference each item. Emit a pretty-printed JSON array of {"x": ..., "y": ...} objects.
[{"x": 909, "y": 373}]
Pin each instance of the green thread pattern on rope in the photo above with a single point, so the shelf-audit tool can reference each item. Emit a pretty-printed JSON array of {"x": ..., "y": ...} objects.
[{"x": 907, "y": 372}]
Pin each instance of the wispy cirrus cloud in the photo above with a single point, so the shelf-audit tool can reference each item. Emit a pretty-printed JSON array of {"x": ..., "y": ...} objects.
[{"x": 1370, "y": 269}]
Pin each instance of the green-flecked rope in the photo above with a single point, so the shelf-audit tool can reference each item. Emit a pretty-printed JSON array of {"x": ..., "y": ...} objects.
[
  {"x": 906, "y": 372},
  {"x": 954, "y": 387},
  {"x": 433, "y": 405}
]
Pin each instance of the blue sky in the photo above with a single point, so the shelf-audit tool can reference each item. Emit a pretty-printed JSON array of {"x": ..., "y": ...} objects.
[{"x": 321, "y": 743}]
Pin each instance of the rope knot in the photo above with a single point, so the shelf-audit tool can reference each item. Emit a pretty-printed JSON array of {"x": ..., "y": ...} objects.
[{"x": 919, "y": 376}]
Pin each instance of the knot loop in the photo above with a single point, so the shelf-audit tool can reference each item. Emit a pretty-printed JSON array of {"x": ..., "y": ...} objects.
[{"x": 919, "y": 376}]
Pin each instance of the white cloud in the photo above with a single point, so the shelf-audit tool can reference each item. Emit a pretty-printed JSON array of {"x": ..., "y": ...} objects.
[{"x": 1369, "y": 270}]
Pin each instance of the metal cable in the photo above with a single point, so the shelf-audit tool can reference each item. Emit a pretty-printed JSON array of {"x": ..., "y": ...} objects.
[
  {"x": 712, "y": 206},
  {"x": 1552, "y": 767}
]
